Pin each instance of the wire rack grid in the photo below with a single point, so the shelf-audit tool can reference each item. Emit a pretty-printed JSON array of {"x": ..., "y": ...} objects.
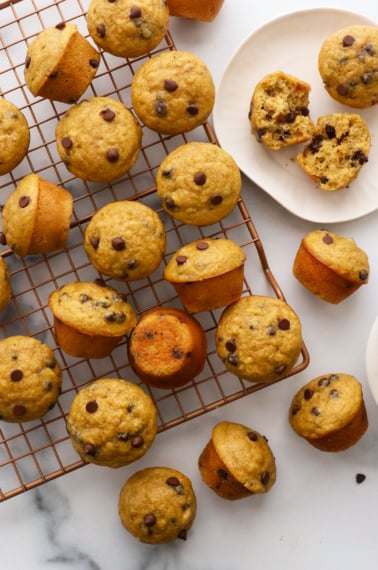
[{"x": 35, "y": 452}]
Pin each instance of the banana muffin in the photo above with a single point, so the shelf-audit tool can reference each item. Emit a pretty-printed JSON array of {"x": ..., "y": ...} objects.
[
  {"x": 14, "y": 136},
  {"x": 198, "y": 183},
  {"x": 30, "y": 379},
  {"x": 112, "y": 422},
  {"x": 157, "y": 505},
  {"x": 329, "y": 412},
  {"x": 237, "y": 462}
]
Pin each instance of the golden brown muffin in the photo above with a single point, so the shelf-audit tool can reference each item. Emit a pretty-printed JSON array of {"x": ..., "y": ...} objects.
[
  {"x": 237, "y": 462},
  {"x": 173, "y": 92},
  {"x": 30, "y": 379},
  {"x": 348, "y": 63},
  {"x": 157, "y": 505},
  {"x": 207, "y": 273},
  {"x": 330, "y": 266},
  {"x": 202, "y": 10},
  {"x": 329, "y": 412},
  {"x": 90, "y": 319},
  {"x": 128, "y": 28},
  {"x": 167, "y": 348},
  {"x": 5, "y": 285},
  {"x": 60, "y": 64},
  {"x": 198, "y": 183},
  {"x": 112, "y": 422},
  {"x": 279, "y": 113},
  {"x": 259, "y": 338},
  {"x": 37, "y": 216},
  {"x": 14, "y": 136},
  {"x": 125, "y": 240},
  {"x": 98, "y": 139},
  {"x": 337, "y": 151}
]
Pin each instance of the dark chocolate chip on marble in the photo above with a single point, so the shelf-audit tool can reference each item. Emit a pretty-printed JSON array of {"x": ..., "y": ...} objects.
[
  {"x": 137, "y": 441},
  {"x": 181, "y": 259},
  {"x": 202, "y": 246},
  {"x": 112, "y": 155},
  {"x": 284, "y": 324},
  {"x": 101, "y": 30},
  {"x": 66, "y": 142},
  {"x": 16, "y": 375},
  {"x": 170, "y": 85},
  {"x": 199, "y": 178},
  {"x": 149, "y": 519},
  {"x": 192, "y": 109},
  {"x": 118, "y": 243},
  {"x": 348, "y": 40},
  {"x": 360, "y": 478},
  {"x": 108, "y": 115},
  {"x": 91, "y": 406},
  {"x": 94, "y": 241},
  {"x": 24, "y": 201},
  {"x": 19, "y": 410}
]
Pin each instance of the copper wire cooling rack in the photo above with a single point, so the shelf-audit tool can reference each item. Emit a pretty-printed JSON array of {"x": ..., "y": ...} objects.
[{"x": 38, "y": 451}]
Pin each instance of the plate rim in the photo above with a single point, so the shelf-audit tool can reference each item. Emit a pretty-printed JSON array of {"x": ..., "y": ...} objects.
[{"x": 371, "y": 355}]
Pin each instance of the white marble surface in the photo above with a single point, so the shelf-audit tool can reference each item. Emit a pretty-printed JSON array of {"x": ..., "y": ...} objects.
[{"x": 316, "y": 515}]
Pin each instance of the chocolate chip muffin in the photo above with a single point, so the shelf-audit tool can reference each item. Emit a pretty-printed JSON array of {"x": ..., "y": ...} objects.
[
  {"x": 98, "y": 139},
  {"x": 30, "y": 379},
  {"x": 90, "y": 319},
  {"x": 5, "y": 285},
  {"x": 198, "y": 183},
  {"x": 337, "y": 151},
  {"x": 207, "y": 273},
  {"x": 259, "y": 338},
  {"x": 14, "y": 136},
  {"x": 60, "y": 64},
  {"x": 329, "y": 412},
  {"x": 157, "y": 505},
  {"x": 125, "y": 240},
  {"x": 112, "y": 422},
  {"x": 128, "y": 28},
  {"x": 173, "y": 92},
  {"x": 348, "y": 63},
  {"x": 37, "y": 216},
  {"x": 279, "y": 112},
  {"x": 167, "y": 347},
  {"x": 330, "y": 265},
  {"x": 237, "y": 462}
]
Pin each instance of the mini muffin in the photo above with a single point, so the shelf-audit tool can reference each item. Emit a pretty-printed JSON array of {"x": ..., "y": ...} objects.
[
  {"x": 279, "y": 113},
  {"x": 167, "y": 348},
  {"x": 125, "y": 240},
  {"x": 14, "y": 136},
  {"x": 259, "y": 338},
  {"x": 90, "y": 319},
  {"x": 112, "y": 422},
  {"x": 207, "y": 273},
  {"x": 237, "y": 462},
  {"x": 337, "y": 151},
  {"x": 200, "y": 10},
  {"x": 60, "y": 64},
  {"x": 37, "y": 216},
  {"x": 157, "y": 505},
  {"x": 5, "y": 285},
  {"x": 348, "y": 63},
  {"x": 30, "y": 379},
  {"x": 330, "y": 266},
  {"x": 198, "y": 183},
  {"x": 128, "y": 28},
  {"x": 173, "y": 92},
  {"x": 98, "y": 139},
  {"x": 329, "y": 412}
]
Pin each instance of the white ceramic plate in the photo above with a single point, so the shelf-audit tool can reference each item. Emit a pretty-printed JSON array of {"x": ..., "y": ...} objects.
[
  {"x": 291, "y": 44},
  {"x": 372, "y": 360}
]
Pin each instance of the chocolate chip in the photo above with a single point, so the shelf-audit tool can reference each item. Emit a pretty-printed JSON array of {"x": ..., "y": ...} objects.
[
  {"x": 53, "y": 74},
  {"x": 327, "y": 239},
  {"x": 91, "y": 406},
  {"x": 330, "y": 131},
  {"x": 233, "y": 359},
  {"x": 137, "y": 441},
  {"x": 177, "y": 353},
  {"x": 93, "y": 63},
  {"x": 19, "y": 410},
  {"x": 334, "y": 393},
  {"x": 252, "y": 436},
  {"x": 199, "y": 178},
  {"x": 324, "y": 381},
  {"x": 231, "y": 345},
  {"x": 192, "y": 109},
  {"x": 315, "y": 411},
  {"x": 112, "y": 155},
  {"x": 308, "y": 394},
  {"x": 348, "y": 41},
  {"x": 101, "y": 30},
  {"x": 149, "y": 519},
  {"x": 94, "y": 241},
  {"x": 323, "y": 179},
  {"x": 167, "y": 173},
  {"x": 115, "y": 317},
  {"x": 360, "y": 478},
  {"x": 123, "y": 436},
  {"x": 60, "y": 26},
  {"x": 3, "y": 239},
  {"x": 369, "y": 48},
  {"x": 66, "y": 142},
  {"x": 181, "y": 259},
  {"x": 363, "y": 274},
  {"x": 264, "y": 477},
  {"x": 342, "y": 89},
  {"x": 83, "y": 298},
  {"x": 135, "y": 12},
  {"x": 289, "y": 117},
  {"x": 170, "y": 85},
  {"x": 161, "y": 107},
  {"x": 315, "y": 144},
  {"x": 24, "y": 201},
  {"x": 222, "y": 473},
  {"x": 170, "y": 203},
  {"x": 270, "y": 331},
  {"x": 27, "y": 61},
  {"x": 295, "y": 409},
  {"x": 280, "y": 368},
  {"x": 172, "y": 481},
  {"x": 16, "y": 375},
  {"x": 216, "y": 200},
  {"x": 107, "y": 114},
  {"x": 118, "y": 243},
  {"x": 360, "y": 157},
  {"x": 182, "y": 535},
  {"x": 284, "y": 324},
  {"x": 202, "y": 246},
  {"x": 89, "y": 449}
]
